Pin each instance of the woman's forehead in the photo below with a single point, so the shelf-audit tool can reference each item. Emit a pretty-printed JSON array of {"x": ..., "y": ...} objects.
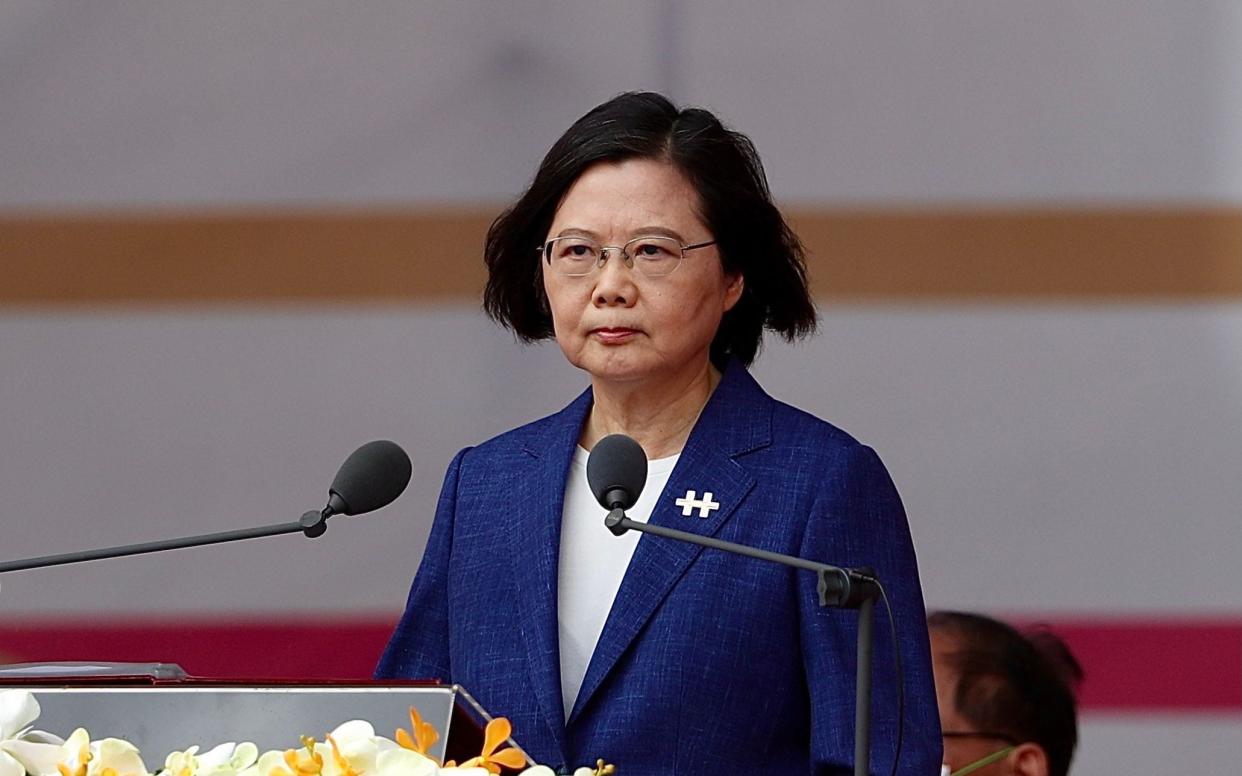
[{"x": 612, "y": 198}]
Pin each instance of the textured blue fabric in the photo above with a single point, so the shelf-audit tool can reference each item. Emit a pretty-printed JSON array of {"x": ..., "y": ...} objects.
[{"x": 708, "y": 662}]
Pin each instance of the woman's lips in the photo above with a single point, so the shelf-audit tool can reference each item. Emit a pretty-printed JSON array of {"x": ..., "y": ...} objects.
[{"x": 613, "y": 335}]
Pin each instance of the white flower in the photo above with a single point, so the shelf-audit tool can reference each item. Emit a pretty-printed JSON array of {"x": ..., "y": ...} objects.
[
  {"x": 114, "y": 757},
  {"x": 543, "y": 770},
  {"x": 10, "y": 766},
  {"x": 75, "y": 755},
  {"x": 270, "y": 763},
  {"x": 18, "y": 708},
  {"x": 79, "y": 756},
  {"x": 405, "y": 762},
  {"x": 227, "y": 759},
  {"x": 352, "y": 749},
  {"x": 23, "y": 750}
]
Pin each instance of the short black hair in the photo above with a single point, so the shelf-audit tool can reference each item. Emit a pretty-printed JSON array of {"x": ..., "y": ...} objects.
[
  {"x": 1018, "y": 684},
  {"x": 735, "y": 204}
]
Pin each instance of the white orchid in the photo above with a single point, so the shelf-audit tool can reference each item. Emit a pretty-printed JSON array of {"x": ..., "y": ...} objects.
[
  {"x": 79, "y": 756},
  {"x": 405, "y": 762},
  {"x": 10, "y": 766},
  {"x": 351, "y": 749},
  {"x": 227, "y": 759},
  {"x": 270, "y": 763},
  {"x": 114, "y": 757},
  {"x": 23, "y": 749}
]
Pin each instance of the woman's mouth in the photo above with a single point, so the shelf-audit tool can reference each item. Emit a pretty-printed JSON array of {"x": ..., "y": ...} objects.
[{"x": 613, "y": 335}]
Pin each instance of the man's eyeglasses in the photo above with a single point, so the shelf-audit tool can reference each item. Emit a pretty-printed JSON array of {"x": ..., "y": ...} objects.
[
  {"x": 982, "y": 762},
  {"x": 652, "y": 256}
]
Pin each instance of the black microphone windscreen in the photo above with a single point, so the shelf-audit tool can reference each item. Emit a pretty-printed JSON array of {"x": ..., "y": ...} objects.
[
  {"x": 617, "y": 463},
  {"x": 371, "y": 477}
]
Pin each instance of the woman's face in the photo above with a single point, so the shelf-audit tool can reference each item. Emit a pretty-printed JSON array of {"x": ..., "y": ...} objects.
[{"x": 616, "y": 323}]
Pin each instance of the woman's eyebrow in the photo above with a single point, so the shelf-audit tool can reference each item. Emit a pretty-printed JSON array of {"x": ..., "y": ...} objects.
[
  {"x": 643, "y": 231},
  {"x": 575, "y": 232},
  {"x": 658, "y": 231}
]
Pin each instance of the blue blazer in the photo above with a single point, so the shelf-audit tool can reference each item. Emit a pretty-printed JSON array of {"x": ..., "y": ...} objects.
[{"x": 709, "y": 663}]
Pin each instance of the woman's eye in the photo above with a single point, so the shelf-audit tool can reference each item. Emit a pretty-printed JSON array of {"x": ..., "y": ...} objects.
[
  {"x": 577, "y": 251},
  {"x": 651, "y": 250}
]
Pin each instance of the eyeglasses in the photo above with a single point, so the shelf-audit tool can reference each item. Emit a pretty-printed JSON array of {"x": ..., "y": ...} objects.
[
  {"x": 652, "y": 256},
  {"x": 982, "y": 762}
]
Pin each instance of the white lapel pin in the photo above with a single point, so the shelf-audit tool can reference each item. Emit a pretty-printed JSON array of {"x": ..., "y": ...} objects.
[{"x": 690, "y": 503}]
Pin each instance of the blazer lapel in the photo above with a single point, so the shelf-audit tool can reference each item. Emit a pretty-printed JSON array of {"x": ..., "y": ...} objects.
[
  {"x": 536, "y": 543},
  {"x": 736, "y": 420}
]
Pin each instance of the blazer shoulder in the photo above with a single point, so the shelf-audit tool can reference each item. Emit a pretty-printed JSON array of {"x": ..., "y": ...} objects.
[
  {"x": 796, "y": 427},
  {"x": 509, "y": 444}
]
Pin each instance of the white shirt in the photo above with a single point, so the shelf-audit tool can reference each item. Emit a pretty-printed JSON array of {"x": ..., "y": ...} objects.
[{"x": 592, "y": 563}]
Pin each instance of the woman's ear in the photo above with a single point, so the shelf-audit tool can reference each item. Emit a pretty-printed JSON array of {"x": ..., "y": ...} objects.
[
  {"x": 1029, "y": 759},
  {"x": 733, "y": 291}
]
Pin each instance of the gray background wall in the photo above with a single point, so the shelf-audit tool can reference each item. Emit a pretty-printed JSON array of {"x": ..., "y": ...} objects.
[{"x": 1076, "y": 458}]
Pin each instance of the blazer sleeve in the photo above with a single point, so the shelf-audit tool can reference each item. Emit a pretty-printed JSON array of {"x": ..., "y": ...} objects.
[
  {"x": 858, "y": 521},
  {"x": 419, "y": 647}
]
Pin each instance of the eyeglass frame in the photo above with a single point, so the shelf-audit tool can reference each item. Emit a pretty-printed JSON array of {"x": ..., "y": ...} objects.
[
  {"x": 986, "y": 760},
  {"x": 545, "y": 250}
]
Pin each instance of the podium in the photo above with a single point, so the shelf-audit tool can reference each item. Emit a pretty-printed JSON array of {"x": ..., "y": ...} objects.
[{"x": 159, "y": 709}]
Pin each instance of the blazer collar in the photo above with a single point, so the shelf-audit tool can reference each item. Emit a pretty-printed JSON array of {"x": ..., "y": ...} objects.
[
  {"x": 737, "y": 419},
  {"x": 535, "y": 538}
]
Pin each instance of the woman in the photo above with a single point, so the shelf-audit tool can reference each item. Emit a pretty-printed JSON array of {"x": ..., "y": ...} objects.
[{"x": 649, "y": 247}]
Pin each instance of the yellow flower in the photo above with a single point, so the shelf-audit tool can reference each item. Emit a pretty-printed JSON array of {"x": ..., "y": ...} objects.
[
  {"x": 423, "y": 734},
  {"x": 497, "y": 732}
]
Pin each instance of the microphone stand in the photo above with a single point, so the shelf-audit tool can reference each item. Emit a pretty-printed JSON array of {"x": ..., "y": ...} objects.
[
  {"x": 312, "y": 524},
  {"x": 844, "y": 588}
]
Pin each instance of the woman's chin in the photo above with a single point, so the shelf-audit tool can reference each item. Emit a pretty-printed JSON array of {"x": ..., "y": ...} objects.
[{"x": 617, "y": 366}]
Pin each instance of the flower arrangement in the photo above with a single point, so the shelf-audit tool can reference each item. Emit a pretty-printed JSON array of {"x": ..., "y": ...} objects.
[{"x": 351, "y": 749}]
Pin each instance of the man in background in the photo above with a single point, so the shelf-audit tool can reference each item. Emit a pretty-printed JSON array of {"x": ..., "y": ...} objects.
[{"x": 1007, "y": 699}]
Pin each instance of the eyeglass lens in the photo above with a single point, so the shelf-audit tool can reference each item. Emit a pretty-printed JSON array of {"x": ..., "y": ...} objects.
[{"x": 576, "y": 256}]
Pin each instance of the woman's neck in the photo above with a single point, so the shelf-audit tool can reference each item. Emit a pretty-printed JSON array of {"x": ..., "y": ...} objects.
[{"x": 658, "y": 415}]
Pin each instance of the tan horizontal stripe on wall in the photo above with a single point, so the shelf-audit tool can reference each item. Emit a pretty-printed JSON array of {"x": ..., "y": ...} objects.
[{"x": 421, "y": 254}]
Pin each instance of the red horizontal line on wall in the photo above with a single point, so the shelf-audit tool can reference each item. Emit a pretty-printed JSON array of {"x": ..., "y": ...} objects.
[
  {"x": 1156, "y": 663},
  {"x": 246, "y": 646},
  {"x": 1145, "y": 665}
]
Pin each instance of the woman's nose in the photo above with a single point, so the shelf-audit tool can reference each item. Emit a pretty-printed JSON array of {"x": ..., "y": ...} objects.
[{"x": 614, "y": 282}]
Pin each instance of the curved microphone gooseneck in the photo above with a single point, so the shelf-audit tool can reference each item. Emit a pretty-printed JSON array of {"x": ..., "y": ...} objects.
[{"x": 371, "y": 477}]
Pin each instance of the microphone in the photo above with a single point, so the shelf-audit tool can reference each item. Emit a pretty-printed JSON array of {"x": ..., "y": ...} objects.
[
  {"x": 617, "y": 471},
  {"x": 371, "y": 477}
]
